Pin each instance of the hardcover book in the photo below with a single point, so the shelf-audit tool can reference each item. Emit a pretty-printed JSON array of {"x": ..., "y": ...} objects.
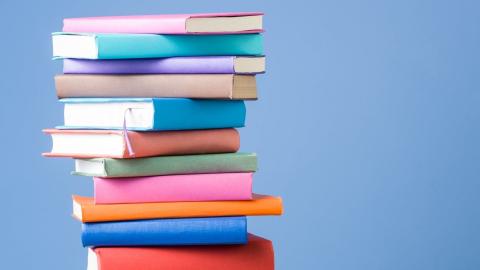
[
  {"x": 240, "y": 22},
  {"x": 151, "y": 113},
  {"x": 127, "y": 46},
  {"x": 206, "y": 86},
  {"x": 113, "y": 143},
  {"x": 167, "y": 165},
  {"x": 171, "y": 65},
  {"x": 174, "y": 188},
  {"x": 85, "y": 209},
  {"x": 166, "y": 232},
  {"x": 257, "y": 254}
]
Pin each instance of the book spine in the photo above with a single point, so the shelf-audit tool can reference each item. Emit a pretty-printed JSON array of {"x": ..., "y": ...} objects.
[
  {"x": 198, "y": 114},
  {"x": 207, "y": 86},
  {"x": 126, "y": 46},
  {"x": 159, "y": 232},
  {"x": 172, "y": 65},
  {"x": 257, "y": 254},
  {"x": 174, "y": 188},
  {"x": 187, "y": 164}
]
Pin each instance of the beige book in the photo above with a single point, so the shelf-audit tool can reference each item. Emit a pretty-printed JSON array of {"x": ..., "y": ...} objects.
[{"x": 206, "y": 86}]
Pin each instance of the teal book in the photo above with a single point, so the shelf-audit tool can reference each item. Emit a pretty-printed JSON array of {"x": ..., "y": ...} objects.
[
  {"x": 152, "y": 114},
  {"x": 127, "y": 46},
  {"x": 166, "y": 165}
]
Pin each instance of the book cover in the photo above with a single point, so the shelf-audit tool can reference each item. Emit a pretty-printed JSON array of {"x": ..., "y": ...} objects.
[
  {"x": 174, "y": 188},
  {"x": 152, "y": 114},
  {"x": 131, "y": 46},
  {"x": 96, "y": 143},
  {"x": 204, "y": 86},
  {"x": 171, "y": 65},
  {"x": 167, "y": 165},
  {"x": 257, "y": 254},
  {"x": 166, "y": 23},
  {"x": 85, "y": 209},
  {"x": 166, "y": 232}
]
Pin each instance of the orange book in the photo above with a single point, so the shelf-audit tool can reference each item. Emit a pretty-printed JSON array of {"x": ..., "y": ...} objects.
[
  {"x": 85, "y": 209},
  {"x": 257, "y": 254},
  {"x": 114, "y": 144}
]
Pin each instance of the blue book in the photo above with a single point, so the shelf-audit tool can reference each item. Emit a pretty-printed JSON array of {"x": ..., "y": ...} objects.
[
  {"x": 125, "y": 46},
  {"x": 152, "y": 113},
  {"x": 166, "y": 232}
]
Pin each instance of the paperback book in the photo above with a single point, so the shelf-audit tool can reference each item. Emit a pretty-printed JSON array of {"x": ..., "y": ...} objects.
[
  {"x": 132, "y": 46},
  {"x": 202, "y": 23},
  {"x": 166, "y": 165},
  {"x": 85, "y": 209},
  {"x": 174, "y": 188},
  {"x": 131, "y": 144},
  {"x": 151, "y": 114},
  {"x": 171, "y": 65},
  {"x": 204, "y": 86},
  {"x": 257, "y": 254},
  {"x": 166, "y": 232}
]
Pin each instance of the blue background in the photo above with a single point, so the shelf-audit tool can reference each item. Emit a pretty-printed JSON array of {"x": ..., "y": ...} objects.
[{"x": 368, "y": 126}]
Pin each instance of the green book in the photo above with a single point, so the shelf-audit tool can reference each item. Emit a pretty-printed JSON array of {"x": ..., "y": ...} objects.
[
  {"x": 125, "y": 46},
  {"x": 166, "y": 165}
]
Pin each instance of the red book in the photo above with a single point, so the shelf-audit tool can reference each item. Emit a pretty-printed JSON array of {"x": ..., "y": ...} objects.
[
  {"x": 256, "y": 255},
  {"x": 113, "y": 143}
]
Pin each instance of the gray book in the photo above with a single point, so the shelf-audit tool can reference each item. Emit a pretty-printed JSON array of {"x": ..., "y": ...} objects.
[{"x": 166, "y": 165}]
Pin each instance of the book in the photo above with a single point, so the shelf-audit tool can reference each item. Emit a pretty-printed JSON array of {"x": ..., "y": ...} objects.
[
  {"x": 240, "y": 22},
  {"x": 257, "y": 254},
  {"x": 150, "y": 114},
  {"x": 206, "y": 86},
  {"x": 113, "y": 143},
  {"x": 171, "y": 65},
  {"x": 166, "y": 165},
  {"x": 174, "y": 188},
  {"x": 85, "y": 209},
  {"x": 127, "y": 46},
  {"x": 166, "y": 232}
]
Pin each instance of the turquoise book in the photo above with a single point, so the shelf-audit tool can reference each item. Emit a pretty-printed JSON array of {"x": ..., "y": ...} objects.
[
  {"x": 127, "y": 46},
  {"x": 150, "y": 114}
]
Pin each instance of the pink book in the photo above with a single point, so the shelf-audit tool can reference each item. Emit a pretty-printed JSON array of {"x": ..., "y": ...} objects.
[
  {"x": 207, "y": 23},
  {"x": 174, "y": 188}
]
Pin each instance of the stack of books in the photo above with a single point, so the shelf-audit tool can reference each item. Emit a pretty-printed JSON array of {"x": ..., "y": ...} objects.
[{"x": 151, "y": 104}]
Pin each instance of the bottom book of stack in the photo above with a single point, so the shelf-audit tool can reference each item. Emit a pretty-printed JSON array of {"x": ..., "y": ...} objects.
[{"x": 257, "y": 254}]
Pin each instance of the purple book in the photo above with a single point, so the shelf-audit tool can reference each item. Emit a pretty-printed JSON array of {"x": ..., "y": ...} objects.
[{"x": 173, "y": 65}]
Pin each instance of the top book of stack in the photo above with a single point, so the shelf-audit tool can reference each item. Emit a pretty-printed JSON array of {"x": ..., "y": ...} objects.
[{"x": 207, "y": 23}]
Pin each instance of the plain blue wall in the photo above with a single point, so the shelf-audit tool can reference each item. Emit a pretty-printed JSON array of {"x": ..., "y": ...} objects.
[{"x": 367, "y": 125}]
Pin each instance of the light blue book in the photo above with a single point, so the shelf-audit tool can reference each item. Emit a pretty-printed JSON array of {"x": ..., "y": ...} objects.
[
  {"x": 126, "y": 46},
  {"x": 152, "y": 113}
]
